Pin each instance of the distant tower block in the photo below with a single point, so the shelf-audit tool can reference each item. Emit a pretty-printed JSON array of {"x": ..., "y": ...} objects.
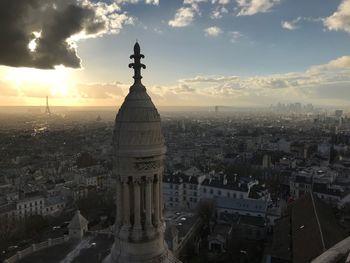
[
  {"x": 216, "y": 109},
  {"x": 47, "y": 110}
]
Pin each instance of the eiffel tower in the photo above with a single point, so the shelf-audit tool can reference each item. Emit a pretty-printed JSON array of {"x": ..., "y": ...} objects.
[{"x": 47, "y": 110}]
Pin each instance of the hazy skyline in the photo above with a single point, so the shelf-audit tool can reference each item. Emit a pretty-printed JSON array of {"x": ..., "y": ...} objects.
[{"x": 197, "y": 52}]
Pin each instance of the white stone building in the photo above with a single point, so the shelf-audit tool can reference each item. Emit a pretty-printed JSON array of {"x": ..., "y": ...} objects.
[
  {"x": 181, "y": 191},
  {"x": 29, "y": 206}
]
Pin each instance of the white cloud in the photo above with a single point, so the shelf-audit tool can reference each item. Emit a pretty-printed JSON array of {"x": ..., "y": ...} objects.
[
  {"x": 99, "y": 90},
  {"x": 110, "y": 15},
  {"x": 341, "y": 63},
  {"x": 213, "y": 31},
  {"x": 291, "y": 25},
  {"x": 150, "y": 2},
  {"x": 321, "y": 84},
  {"x": 218, "y": 12},
  {"x": 220, "y": 2},
  {"x": 192, "y": 2},
  {"x": 252, "y": 7},
  {"x": 184, "y": 17},
  {"x": 340, "y": 19},
  {"x": 295, "y": 23},
  {"x": 234, "y": 36},
  {"x": 326, "y": 84}
]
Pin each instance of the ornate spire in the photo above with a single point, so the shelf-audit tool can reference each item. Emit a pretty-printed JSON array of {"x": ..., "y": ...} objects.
[{"x": 137, "y": 65}]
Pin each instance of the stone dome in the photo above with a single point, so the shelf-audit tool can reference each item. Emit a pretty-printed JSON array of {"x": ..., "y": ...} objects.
[{"x": 137, "y": 125}]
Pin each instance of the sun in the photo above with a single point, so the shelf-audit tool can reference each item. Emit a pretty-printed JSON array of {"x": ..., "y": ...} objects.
[{"x": 56, "y": 82}]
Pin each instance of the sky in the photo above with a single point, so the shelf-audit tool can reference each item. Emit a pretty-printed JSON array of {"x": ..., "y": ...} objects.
[{"x": 240, "y": 53}]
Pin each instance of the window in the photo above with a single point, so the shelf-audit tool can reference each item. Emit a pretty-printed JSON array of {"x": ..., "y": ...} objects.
[
  {"x": 204, "y": 190},
  {"x": 219, "y": 192},
  {"x": 228, "y": 194},
  {"x": 211, "y": 191}
]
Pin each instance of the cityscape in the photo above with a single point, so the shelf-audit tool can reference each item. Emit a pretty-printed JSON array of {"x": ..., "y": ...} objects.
[
  {"x": 135, "y": 153},
  {"x": 229, "y": 180}
]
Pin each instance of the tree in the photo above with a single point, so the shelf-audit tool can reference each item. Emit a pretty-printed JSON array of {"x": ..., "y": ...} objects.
[
  {"x": 7, "y": 233},
  {"x": 205, "y": 210}
]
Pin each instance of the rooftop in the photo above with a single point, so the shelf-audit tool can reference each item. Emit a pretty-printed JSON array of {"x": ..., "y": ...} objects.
[
  {"x": 89, "y": 250},
  {"x": 78, "y": 221},
  {"x": 251, "y": 205}
]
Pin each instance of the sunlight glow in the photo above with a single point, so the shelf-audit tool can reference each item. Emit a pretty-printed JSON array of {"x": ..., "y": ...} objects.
[{"x": 56, "y": 82}]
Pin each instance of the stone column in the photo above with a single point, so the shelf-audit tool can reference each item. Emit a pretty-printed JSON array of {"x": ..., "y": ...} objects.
[
  {"x": 119, "y": 218},
  {"x": 126, "y": 201},
  {"x": 160, "y": 187},
  {"x": 156, "y": 200},
  {"x": 137, "y": 229},
  {"x": 148, "y": 195}
]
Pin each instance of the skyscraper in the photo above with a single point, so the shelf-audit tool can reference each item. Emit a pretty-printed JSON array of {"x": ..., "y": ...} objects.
[{"x": 138, "y": 166}]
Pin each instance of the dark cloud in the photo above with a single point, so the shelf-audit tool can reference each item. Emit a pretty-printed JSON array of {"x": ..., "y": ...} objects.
[{"x": 57, "y": 20}]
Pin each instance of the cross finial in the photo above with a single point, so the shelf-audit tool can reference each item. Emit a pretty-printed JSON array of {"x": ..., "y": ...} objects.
[{"x": 137, "y": 65}]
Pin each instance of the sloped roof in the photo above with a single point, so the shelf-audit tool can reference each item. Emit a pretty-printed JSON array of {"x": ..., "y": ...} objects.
[
  {"x": 314, "y": 228},
  {"x": 78, "y": 221},
  {"x": 249, "y": 205},
  {"x": 281, "y": 239}
]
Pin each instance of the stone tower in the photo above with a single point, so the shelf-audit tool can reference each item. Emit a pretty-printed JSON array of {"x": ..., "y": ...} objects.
[
  {"x": 138, "y": 166},
  {"x": 78, "y": 226}
]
